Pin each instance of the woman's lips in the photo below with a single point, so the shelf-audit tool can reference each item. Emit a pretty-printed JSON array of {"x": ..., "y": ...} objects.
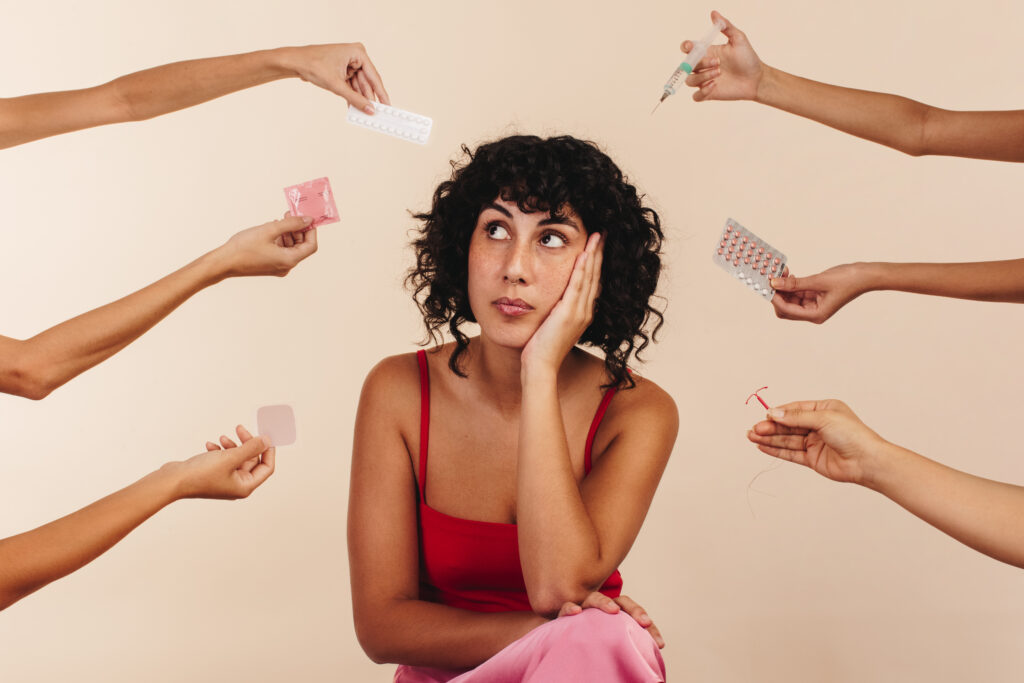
[{"x": 512, "y": 307}]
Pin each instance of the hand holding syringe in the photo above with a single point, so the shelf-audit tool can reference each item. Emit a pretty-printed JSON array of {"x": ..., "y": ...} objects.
[{"x": 692, "y": 59}]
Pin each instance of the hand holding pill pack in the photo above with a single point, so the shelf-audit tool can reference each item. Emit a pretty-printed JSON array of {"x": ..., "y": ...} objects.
[
  {"x": 749, "y": 258},
  {"x": 394, "y": 122},
  {"x": 313, "y": 198}
]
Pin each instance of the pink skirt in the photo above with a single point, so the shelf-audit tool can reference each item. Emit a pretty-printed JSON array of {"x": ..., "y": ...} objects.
[{"x": 592, "y": 646}]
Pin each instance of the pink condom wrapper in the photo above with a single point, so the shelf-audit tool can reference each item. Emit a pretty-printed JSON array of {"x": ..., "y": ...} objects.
[
  {"x": 315, "y": 199},
  {"x": 277, "y": 423}
]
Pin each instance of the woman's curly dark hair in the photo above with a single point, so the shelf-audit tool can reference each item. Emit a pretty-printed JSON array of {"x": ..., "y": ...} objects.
[{"x": 543, "y": 175}]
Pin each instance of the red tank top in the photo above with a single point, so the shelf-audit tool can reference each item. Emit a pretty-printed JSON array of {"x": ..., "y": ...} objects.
[{"x": 471, "y": 564}]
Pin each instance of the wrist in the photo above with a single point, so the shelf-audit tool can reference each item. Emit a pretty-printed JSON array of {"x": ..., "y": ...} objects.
[
  {"x": 538, "y": 374},
  {"x": 169, "y": 482},
  {"x": 283, "y": 61},
  {"x": 767, "y": 85},
  {"x": 878, "y": 469},
  {"x": 876, "y": 276},
  {"x": 214, "y": 266}
]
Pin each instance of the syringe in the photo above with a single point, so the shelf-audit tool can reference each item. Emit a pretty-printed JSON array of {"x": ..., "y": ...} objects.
[{"x": 691, "y": 60}]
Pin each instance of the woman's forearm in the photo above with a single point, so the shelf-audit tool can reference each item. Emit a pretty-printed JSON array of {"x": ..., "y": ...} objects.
[
  {"x": 35, "y": 558},
  {"x": 895, "y": 121},
  {"x": 38, "y": 365},
  {"x": 889, "y": 120},
  {"x": 983, "y": 281},
  {"x": 420, "y": 633},
  {"x": 180, "y": 85},
  {"x": 983, "y": 514},
  {"x": 558, "y": 544},
  {"x": 137, "y": 96}
]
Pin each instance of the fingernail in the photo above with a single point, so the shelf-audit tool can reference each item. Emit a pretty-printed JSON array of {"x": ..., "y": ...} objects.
[
  {"x": 774, "y": 282},
  {"x": 306, "y": 220},
  {"x": 644, "y": 618},
  {"x": 775, "y": 413},
  {"x": 369, "y": 109}
]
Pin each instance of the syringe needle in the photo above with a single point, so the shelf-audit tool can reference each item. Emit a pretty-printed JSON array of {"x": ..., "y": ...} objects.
[{"x": 656, "y": 107}]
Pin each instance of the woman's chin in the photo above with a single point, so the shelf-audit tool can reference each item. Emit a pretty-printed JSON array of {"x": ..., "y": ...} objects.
[{"x": 507, "y": 336}]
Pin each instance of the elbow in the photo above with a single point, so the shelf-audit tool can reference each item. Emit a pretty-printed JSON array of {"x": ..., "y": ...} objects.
[
  {"x": 916, "y": 144},
  {"x": 546, "y": 600},
  {"x": 28, "y": 381},
  {"x": 375, "y": 643}
]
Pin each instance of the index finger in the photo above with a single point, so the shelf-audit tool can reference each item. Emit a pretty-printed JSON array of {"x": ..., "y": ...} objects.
[
  {"x": 376, "y": 81},
  {"x": 803, "y": 405}
]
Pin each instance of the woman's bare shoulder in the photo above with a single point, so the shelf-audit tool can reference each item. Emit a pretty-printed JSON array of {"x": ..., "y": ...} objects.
[{"x": 645, "y": 406}]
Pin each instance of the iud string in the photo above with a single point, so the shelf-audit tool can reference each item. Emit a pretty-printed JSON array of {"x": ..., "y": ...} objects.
[{"x": 757, "y": 395}]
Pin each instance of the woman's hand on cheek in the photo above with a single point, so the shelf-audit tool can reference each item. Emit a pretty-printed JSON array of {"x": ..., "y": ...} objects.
[{"x": 571, "y": 316}]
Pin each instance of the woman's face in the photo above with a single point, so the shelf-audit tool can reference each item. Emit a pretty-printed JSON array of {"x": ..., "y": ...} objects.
[{"x": 519, "y": 265}]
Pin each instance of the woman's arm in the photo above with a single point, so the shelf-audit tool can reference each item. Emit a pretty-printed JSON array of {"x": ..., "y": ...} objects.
[
  {"x": 35, "y": 558},
  {"x": 392, "y": 623},
  {"x": 572, "y": 537},
  {"x": 733, "y": 72},
  {"x": 829, "y": 438},
  {"x": 34, "y": 367},
  {"x": 344, "y": 69},
  {"x": 817, "y": 298}
]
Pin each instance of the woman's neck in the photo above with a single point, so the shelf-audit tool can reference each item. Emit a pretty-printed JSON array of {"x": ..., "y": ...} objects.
[{"x": 496, "y": 370}]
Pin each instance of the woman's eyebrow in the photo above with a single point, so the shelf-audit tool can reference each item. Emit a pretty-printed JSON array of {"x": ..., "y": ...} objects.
[
  {"x": 498, "y": 207},
  {"x": 553, "y": 220},
  {"x": 561, "y": 220}
]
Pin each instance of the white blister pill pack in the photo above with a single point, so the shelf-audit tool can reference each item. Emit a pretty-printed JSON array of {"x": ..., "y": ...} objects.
[
  {"x": 749, "y": 258},
  {"x": 393, "y": 121}
]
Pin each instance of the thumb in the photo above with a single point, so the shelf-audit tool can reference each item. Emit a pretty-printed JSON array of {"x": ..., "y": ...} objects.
[
  {"x": 569, "y": 608},
  {"x": 730, "y": 31},
  {"x": 801, "y": 418},
  {"x": 788, "y": 283},
  {"x": 250, "y": 449},
  {"x": 290, "y": 224}
]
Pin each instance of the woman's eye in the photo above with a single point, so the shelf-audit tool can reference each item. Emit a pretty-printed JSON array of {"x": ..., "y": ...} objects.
[
  {"x": 497, "y": 231},
  {"x": 552, "y": 240}
]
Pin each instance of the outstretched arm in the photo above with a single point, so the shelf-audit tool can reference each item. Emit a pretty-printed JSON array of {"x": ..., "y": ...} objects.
[
  {"x": 829, "y": 438},
  {"x": 34, "y": 367},
  {"x": 344, "y": 69},
  {"x": 734, "y": 71},
  {"x": 816, "y": 298},
  {"x": 35, "y": 558}
]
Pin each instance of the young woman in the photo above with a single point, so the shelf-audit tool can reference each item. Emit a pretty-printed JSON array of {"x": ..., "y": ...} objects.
[{"x": 499, "y": 480}]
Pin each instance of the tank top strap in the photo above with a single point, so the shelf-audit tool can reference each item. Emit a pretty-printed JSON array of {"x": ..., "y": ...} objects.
[
  {"x": 421, "y": 357},
  {"x": 601, "y": 410}
]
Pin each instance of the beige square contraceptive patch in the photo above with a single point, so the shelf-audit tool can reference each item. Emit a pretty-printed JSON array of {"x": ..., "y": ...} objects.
[{"x": 277, "y": 424}]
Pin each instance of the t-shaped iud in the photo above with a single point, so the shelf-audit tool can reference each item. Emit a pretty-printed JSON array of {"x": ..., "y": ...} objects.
[{"x": 755, "y": 395}]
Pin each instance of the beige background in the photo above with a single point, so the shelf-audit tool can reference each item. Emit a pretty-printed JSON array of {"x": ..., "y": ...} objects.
[{"x": 793, "y": 579}]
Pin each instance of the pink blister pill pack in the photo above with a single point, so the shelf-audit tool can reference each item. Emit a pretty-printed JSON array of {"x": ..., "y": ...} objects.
[
  {"x": 749, "y": 258},
  {"x": 313, "y": 198}
]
